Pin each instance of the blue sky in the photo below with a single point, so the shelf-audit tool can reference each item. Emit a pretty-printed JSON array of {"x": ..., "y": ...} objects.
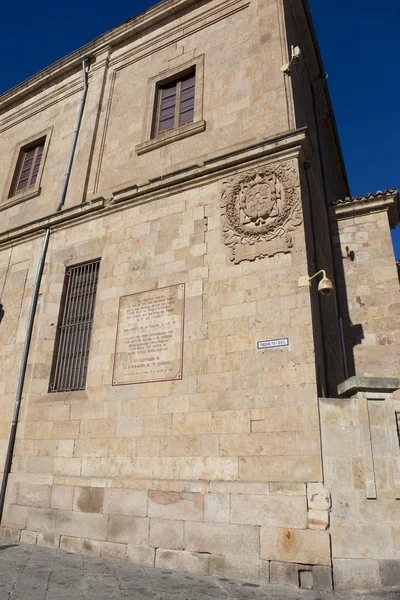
[{"x": 359, "y": 45}]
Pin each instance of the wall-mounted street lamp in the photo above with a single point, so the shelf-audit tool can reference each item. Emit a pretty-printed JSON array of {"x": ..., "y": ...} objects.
[{"x": 325, "y": 286}]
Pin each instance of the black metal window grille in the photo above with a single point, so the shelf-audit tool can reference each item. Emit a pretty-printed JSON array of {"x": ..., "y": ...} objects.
[{"x": 75, "y": 328}]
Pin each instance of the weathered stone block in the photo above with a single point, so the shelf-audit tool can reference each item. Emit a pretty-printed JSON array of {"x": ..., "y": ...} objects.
[
  {"x": 264, "y": 571},
  {"x": 64, "y": 430},
  {"x": 41, "y": 519},
  {"x": 140, "y": 555},
  {"x": 271, "y": 511},
  {"x": 28, "y": 537},
  {"x": 91, "y": 547},
  {"x": 88, "y": 499},
  {"x": 12, "y": 489},
  {"x": 129, "y": 427},
  {"x": 67, "y": 466},
  {"x": 34, "y": 495},
  {"x": 216, "y": 508},
  {"x": 166, "y": 534},
  {"x": 389, "y": 572},
  {"x": 128, "y": 530},
  {"x": 48, "y": 540},
  {"x": 318, "y": 519},
  {"x": 295, "y": 545},
  {"x": 350, "y": 574},
  {"x": 318, "y": 497},
  {"x": 322, "y": 578},
  {"x": 189, "y": 562},
  {"x": 118, "y": 466},
  {"x": 97, "y": 428},
  {"x": 238, "y": 567},
  {"x": 157, "y": 425},
  {"x": 287, "y": 489},
  {"x": 71, "y": 544},
  {"x": 15, "y": 516},
  {"x": 191, "y": 423},
  {"x": 77, "y": 524},
  {"x": 286, "y": 573},
  {"x": 230, "y": 421},
  {"x": 181, "y": 445},
  {"x": 176, "y": 506},
  {"x": 113, "y": 551},
  {"x": 91, "y": 447},
  {"x": 209, "y": 467},
  {"x": 222, "y": 539},
  {"x": 127, "y": 502},
  {"x": 369, "y": 540},
  {"x": 279, "y": 468},
  {"x": 62, "y": 497},
  {"x": 10, "y": 533}
]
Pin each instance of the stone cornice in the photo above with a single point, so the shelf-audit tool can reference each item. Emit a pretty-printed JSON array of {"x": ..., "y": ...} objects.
[
  {"x": 381, "y": 201},
  {"x": 277, "y": 146},
  {"x": 289, "y": 144},
  {"x": 32, "y": 229},
  {"x": 130, "y": 29}
]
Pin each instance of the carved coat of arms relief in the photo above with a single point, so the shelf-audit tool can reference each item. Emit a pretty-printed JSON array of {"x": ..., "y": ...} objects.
[{"x": 260, "y": 209}]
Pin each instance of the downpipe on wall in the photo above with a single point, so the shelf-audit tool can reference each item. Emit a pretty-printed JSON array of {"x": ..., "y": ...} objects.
[{"x": 35, "y": 294}]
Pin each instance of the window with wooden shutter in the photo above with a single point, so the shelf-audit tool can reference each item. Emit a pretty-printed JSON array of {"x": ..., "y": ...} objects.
[
  {"x": 175, "y": 103},
  {"x": 75, "y": 328},
  {"x": 28, "y": 166}
]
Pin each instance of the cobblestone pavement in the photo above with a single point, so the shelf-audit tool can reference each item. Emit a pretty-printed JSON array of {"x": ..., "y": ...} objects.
[{"x": 36, "y": 573}]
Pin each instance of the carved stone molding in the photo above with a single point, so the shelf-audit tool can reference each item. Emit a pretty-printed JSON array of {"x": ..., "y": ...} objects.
[{"x": 260, "y": 208}]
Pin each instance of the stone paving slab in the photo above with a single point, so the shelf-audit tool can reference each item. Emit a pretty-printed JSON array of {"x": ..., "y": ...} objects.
[{"x": 37, "y": 573}]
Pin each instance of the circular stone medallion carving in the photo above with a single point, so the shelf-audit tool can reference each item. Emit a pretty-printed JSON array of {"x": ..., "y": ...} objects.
[{"x": 260, "y": 208}]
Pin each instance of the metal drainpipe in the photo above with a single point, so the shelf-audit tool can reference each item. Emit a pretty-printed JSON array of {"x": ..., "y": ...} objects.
[
  {"x": 85, "y": 64},
  {"x": 35, "y": 296}
]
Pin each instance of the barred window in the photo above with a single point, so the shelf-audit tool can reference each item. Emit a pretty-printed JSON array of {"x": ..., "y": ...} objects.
[
  {"x": 74, "y": 328},
  {"x": 28, "y": 165},
  {"x": 175, "y": 103}
]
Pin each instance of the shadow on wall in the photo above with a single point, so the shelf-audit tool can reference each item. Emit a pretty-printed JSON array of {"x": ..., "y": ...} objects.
[
  {"x": 350, "y": 254},
  {"x": 353, "y": 333}
]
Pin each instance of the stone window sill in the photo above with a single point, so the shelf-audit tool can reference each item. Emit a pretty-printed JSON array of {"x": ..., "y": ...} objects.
[
  {"x": 65, "y": 397},
  {"x": 171, "y": 136},
  {"x": 21, "y": 197}
]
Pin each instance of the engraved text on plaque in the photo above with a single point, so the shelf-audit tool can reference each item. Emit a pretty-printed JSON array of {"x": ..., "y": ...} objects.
[{"x": 150, "y": 336}]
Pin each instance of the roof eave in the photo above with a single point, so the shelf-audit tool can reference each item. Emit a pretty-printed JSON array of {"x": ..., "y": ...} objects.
[
  {"x": 129, "y": 29},
  {"x": 387, "y": 200}
]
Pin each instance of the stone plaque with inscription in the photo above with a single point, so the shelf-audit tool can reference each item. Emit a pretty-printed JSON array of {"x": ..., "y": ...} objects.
[{"x": 149, "y": 341}]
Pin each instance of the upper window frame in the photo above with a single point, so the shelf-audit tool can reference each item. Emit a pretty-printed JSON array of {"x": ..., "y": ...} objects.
[
  {"x": 11, "y": 197},
  {"x": 152, "y": 138},
  {"x": 177, "y": 81}
]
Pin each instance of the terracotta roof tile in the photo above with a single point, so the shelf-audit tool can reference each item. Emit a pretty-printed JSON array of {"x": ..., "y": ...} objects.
[{"x": 370, "y": 196}]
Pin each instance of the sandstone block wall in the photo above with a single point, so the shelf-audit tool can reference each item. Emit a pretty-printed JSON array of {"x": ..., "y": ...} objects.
[
  {"x": 208, "y": 473},
  {"x": 196, "y": 531},
  {"x": 219, "y": 472},
  {"x": 368, "y": 285},
  {"x": 361, "y": 455}
]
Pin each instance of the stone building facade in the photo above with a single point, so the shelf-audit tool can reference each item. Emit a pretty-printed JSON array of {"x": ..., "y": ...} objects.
[{"x": 210, "y": 415}]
